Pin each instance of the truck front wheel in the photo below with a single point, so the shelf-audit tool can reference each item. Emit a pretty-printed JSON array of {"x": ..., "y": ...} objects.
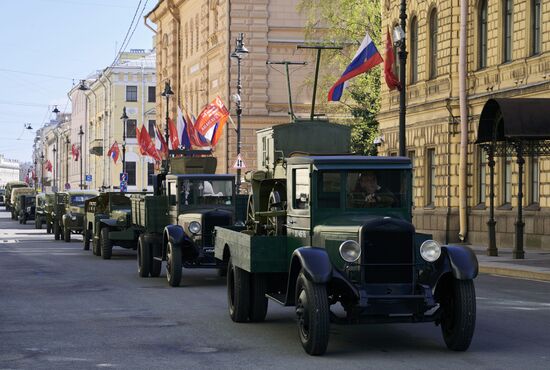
[
  {"x": 173, "y": 264},
  {"x": 312, "y": 313},
  {"x": 458, "y": 316},
  {"x": 56, "y": 231},
  {"x": 238, "y": 292},
  {"x": 106, "y": 244},
  {"x": 143, "y": 257},
  {"x": 67, "y": 234},
  {"x": 86, "y": 239},
  {"x": 258, "y": 300}
]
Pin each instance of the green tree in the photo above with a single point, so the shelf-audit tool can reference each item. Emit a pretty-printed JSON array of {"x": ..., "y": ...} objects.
[{"x": 345, "y": 22}]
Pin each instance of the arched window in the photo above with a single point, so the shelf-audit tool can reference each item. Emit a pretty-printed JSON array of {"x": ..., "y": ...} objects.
[
  {"x": 414, "y": 50},
  {"x": 433, "y": 44},
  {"x": 507, "y": 26},
  {"x": 482, "y": 37},
  {"x": 535, "y": 26}
]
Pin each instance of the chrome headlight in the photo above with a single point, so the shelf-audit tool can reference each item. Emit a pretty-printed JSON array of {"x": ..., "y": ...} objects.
[
  {"x": 194, "y": 227},
  {"x": 350, "y": 251},
  {"x": 430, "y": 250}
]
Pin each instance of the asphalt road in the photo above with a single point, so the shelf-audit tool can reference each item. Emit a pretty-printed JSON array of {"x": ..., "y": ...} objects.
[{"x": 63, "y": 308}]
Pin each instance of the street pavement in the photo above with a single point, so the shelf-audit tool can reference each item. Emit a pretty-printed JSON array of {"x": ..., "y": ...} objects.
[{"x": 63, "y": 308}]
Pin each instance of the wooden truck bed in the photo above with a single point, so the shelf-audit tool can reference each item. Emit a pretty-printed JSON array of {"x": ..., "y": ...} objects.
[{"x": 150, "y": 212}]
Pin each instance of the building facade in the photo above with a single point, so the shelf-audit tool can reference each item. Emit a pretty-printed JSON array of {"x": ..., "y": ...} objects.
[
  {"x": 9, "y": 170},
  {"x": 508, "y": 52},
  {"x": 194, "y": 41}
]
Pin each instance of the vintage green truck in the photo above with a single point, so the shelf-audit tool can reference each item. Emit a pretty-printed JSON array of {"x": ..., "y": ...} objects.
[
  {"x": 314, "y": 237},
  {"x": 25, "y": 208},
  {"x": 44, "y": 207},
  {"x": 72, "y": 220},
  {"x": 15, "y": 195},
  {"x": 176, "y": 223},
  {"x": 7, "y": 196}
]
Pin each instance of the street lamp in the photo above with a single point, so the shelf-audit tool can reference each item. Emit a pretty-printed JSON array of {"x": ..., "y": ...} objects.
[
  {"x": 239, "y": 53},
  {"x": 124, "y": 119},
  {"x": 42, "y": 172},
  {"x": 400, "y": 41},
  {"x": 34, "y": 177},
  {"x": 167, "y": 93},
  {"x": 67, "y": 142},
  {"x": 80, "y": 133},
  {"x": 55, "y": 169}
]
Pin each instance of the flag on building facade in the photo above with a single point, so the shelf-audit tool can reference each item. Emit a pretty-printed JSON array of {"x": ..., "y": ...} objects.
[
  {"x": 211, "y": 120},
  {"x": 173, "y": 130},
  {"x": 146, "y": 145},
  {"x": 49, "y": 166},
  {"x": 114, "y": 152},
  {"x": 184, "y": 135},
  {"x": 391, "y": 79},
  {"x": 195, "y": 138},
  {"x": 141, "y": 144},
  {"x": 366, "y": 57},
  {"x": 160, "y": 143},
  {"x": 75, "y": 152}
]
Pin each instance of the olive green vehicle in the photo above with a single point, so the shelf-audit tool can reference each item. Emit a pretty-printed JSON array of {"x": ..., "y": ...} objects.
[
  {"x": 108, "y": 223},
  {"x": 315, "y": 238},
  {"x": 72, "y": 221},
  {"x": 16, "y": 205},
  {"x": 44, "y": 208},
  {"x": 25, "y": 204},
  {"x": 7, "y": 196}
]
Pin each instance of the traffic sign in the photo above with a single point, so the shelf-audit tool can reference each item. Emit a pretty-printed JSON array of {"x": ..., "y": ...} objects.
[
  {"x": 239, "y": 163},
  {"x": 67, "y": 186},
  {"x": 88, "y": 178},
  {"x": 123, "y": 186},
  {"x": 124, "y": 176}
]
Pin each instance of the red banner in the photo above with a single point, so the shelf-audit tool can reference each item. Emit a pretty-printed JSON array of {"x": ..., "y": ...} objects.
[
  {"x": 173, "y": 130},
  {"x": 211, "y": 114}
]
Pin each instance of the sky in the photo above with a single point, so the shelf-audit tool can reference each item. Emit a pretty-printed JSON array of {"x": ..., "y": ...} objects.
[{"x": 46, "y": 46}]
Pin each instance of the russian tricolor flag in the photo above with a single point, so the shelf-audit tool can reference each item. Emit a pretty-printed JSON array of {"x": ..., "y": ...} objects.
[{"x": 366, "y": 58}]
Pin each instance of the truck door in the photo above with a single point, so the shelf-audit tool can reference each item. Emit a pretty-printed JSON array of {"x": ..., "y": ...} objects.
[{"x": 299, "y": 204}]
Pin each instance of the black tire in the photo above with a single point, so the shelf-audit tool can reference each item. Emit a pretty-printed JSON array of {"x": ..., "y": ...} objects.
[
  {"x": 144, "y": 257},
  {"x": 24, "y": 220},
  {"x": 173, "y": 264},
  {"x": 222, "y": 272},
  {"x": 458, "y": 314},
  {"x": 86, "y": 239},
  {"x": 312, "y": 312},
  {"x": 67, "y": 234},
  {"x": 20, "y": 219},
  {"x": 258, "y": 300},
  {"x": 105, "y": 244},
  {"x": 56, "y": 231},
  {"x": 38, "y": 222},
  {"x": 13, "y": 217},
  {"x": 238, "y": 292},
  {"x": 96, "y": 247},
  {"x": 156, "y": 265},
  {"x": 48, "y": 228}
]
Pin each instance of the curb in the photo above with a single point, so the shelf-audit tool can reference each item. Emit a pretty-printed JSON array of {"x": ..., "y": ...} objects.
[{"x": 515, "y": 273}]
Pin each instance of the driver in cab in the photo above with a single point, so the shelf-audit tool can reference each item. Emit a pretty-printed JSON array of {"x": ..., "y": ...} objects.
[{"x": 374, "y": 194}]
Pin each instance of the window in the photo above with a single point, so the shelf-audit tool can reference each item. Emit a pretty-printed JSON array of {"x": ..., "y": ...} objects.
[
  {"x": 151, "y": 128},
  {"x": 264, "y": 151},
  {"x": 151, "y": 94},
  {"x": 431, "y": 178},
  {"x": 507, "y": 27},
  {"x": 301, "y": 188},
  {"x": 150, "y": 173},
  {"x": 534, "y": 194},
  {"x": 507, "y": 180},
  {"x": 328, "y": 189},
  {"x": 535, "y": 27},
  {"x": 433, "y": 44},
  {"x": 131, "y": 170},
  {"x": 131, "y": 93},
  {"x": 482, "y": 185},
  {"x": 482, "y": 37},
  {"x": 414, "y": 50},
  {"x": 131, "y": 128}
]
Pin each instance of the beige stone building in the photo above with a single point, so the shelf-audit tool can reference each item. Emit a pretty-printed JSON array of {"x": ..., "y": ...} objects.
[
  {"x": 508, "y": 56},
  {"x": 194, "y": 40}
]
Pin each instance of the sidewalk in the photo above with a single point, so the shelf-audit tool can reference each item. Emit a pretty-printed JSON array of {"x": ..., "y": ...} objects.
[{"x": 536, "y": 264}]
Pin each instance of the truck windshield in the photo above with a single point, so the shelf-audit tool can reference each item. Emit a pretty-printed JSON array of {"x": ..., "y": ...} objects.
[
  {"x": 363, "y": 189},
  {"x": 206, "y": 192},
  {"x": 78, "y": 200}
]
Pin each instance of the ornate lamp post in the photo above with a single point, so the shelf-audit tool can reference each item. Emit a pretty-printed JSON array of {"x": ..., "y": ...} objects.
[
  {"x": 34, "y": 177},
  {"x": 67, "y": 142},
  {"x": 167, "y": 93},
  {"x": 239, "y": 53},
  {"x": 124, "y": 119},
  {"x": 80, "y": 133},
  {"x": 400, "y": 41},
  {"x": 42, "y": 171},
  {"x": 55, "y": 169}
]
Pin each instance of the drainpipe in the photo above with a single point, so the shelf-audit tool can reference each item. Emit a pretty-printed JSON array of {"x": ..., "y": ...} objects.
[
  {"x": 463, "y": 174},
  {"x": 171, "y": 7},
  {"x": 228, "y": 85}
]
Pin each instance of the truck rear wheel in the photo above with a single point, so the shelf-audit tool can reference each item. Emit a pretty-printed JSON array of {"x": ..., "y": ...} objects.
[
  {"x": 56, "y": 231},
  {"x": 86, "y": 239},
  {"x": 105, "y": 244},
  {"x": 173, "y": 264},
  {"x": 143, "y": 257},
  {"x": 156, "y": 264},
  {"x": 38, "y": 222},
  {"x": 458, "y": 316},
  {"x": 312, "y": 312},
  {"x": 48, "y": 227},
  {"x": 238, "y": 292},
  {"x": 258, "y": 300},
  {"x": 66, "y": 234},
  {"x": 96, "y": 247}
]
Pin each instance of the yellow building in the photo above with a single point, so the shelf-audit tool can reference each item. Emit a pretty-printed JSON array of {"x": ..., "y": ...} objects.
[
  {"x": 130, "y": 83},
  {"x": 508, "y": 56},
  {"x": 194, "y": 40}
]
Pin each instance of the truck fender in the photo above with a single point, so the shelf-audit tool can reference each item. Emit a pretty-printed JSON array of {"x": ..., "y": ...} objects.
[
  {"x": 176, "y": 235},
  {"x": 314, "y": 262},
  {"x": 462, "y": 261}
]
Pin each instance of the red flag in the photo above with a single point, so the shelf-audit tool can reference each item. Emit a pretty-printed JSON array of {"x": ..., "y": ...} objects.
[
  {"x": 163, "y": 147},
  {"x": 173, "y": 130},
  {"x": 146, "y": 145},
  {"x": 75, "y": 151},
  {"x": 210, "y": 116},
  {"x": 141, "y": 144},
  {"x": 194, "y": 136},
  {"x": 391, "y": 79},
  {"x": 114, "y": 152},
  {"x": 49, "y": 166}
]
